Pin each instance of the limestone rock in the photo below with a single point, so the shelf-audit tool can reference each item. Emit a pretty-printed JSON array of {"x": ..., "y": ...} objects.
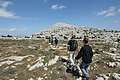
[
  {"x": 115, "y": 76},
  {"x": 100, "y": 78}
]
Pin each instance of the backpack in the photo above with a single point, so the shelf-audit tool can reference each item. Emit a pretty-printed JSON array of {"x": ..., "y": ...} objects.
[{"x": 73, "y": 45}]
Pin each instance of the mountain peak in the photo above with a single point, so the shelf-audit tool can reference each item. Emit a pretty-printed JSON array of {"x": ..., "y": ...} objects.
[{"x": 61, "y": 24}]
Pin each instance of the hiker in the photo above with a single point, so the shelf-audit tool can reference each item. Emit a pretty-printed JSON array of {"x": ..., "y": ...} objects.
[
  {"x": 86, "y": 54},
  {"x": 56, "y": 42},
  {"x": 72, "y": 47},
  {"x": 51, "y": 40}
]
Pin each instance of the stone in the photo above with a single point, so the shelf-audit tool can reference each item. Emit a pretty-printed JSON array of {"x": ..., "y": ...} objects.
[
  {"x": 113, "y": 50},
  {"x": 115, "y": 76},
  {"x": 45, "y": 68},
  {"x": 111, "y": 64},
  {"x": 100, "y": 78},
  {"x": 53, "y": 61},
  {"x": 104, "y": 76},
  {"x": 118, "y": 64},
  {"x": 39, "y": 78},
  {"x": 9, "y": 70},
  {"x": 37, "y": 65}
]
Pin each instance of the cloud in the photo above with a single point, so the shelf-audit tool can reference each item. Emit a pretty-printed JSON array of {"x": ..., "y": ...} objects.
[
  {"x": 102, "y": 13},
  {"x": 10, "y": 14},
  {"x": 112, "y": 11},
  {"x": 5, "y": 4},
  {"x": 57, "y": 6},
  {"x": 7, "y": 14},
  {"x": 119, "y": 10},
  {"x": 4, "y": 12},
  {"x": 11, "y": 29}
]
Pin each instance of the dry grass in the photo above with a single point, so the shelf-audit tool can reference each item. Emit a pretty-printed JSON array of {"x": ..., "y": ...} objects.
[{"x": 40, "y": 48}]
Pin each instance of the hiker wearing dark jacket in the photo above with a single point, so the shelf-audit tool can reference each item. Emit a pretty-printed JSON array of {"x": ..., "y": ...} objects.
[
  {"x": 86, "y": 54},
  {"x": 72, "y": 47},
  {"x": 56, "y": 42}
]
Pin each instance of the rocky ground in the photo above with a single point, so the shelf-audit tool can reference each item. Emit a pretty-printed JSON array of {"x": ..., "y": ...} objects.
[{"x": 38, "y": 60}]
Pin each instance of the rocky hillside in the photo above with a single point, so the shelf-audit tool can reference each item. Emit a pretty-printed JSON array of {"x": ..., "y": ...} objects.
[
  {"x": 38, "y": 60},
  {"x": 62, "y": 30}
]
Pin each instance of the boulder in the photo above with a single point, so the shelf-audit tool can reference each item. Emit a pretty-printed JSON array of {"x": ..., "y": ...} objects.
[
  {"x": 115, "y": 76},
  {"x": 9, "y": 70},
  {"x": 118, "y": 64},
  {"x": 113, "y": 50},
  {"x": 111, "y": 64},
  {"x": 100, "y": 78}
]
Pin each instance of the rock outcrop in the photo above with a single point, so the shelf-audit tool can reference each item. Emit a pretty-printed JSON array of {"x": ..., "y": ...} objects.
[{"x": 65, "y": 31}]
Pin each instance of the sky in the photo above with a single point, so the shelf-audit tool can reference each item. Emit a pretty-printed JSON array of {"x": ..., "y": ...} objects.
[{"x": 27, "y": 17}]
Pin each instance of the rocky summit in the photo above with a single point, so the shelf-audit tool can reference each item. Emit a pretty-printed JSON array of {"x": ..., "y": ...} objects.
[
  {"x": 36, "y": 59},
  {"x": 63, "y": 31}
]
